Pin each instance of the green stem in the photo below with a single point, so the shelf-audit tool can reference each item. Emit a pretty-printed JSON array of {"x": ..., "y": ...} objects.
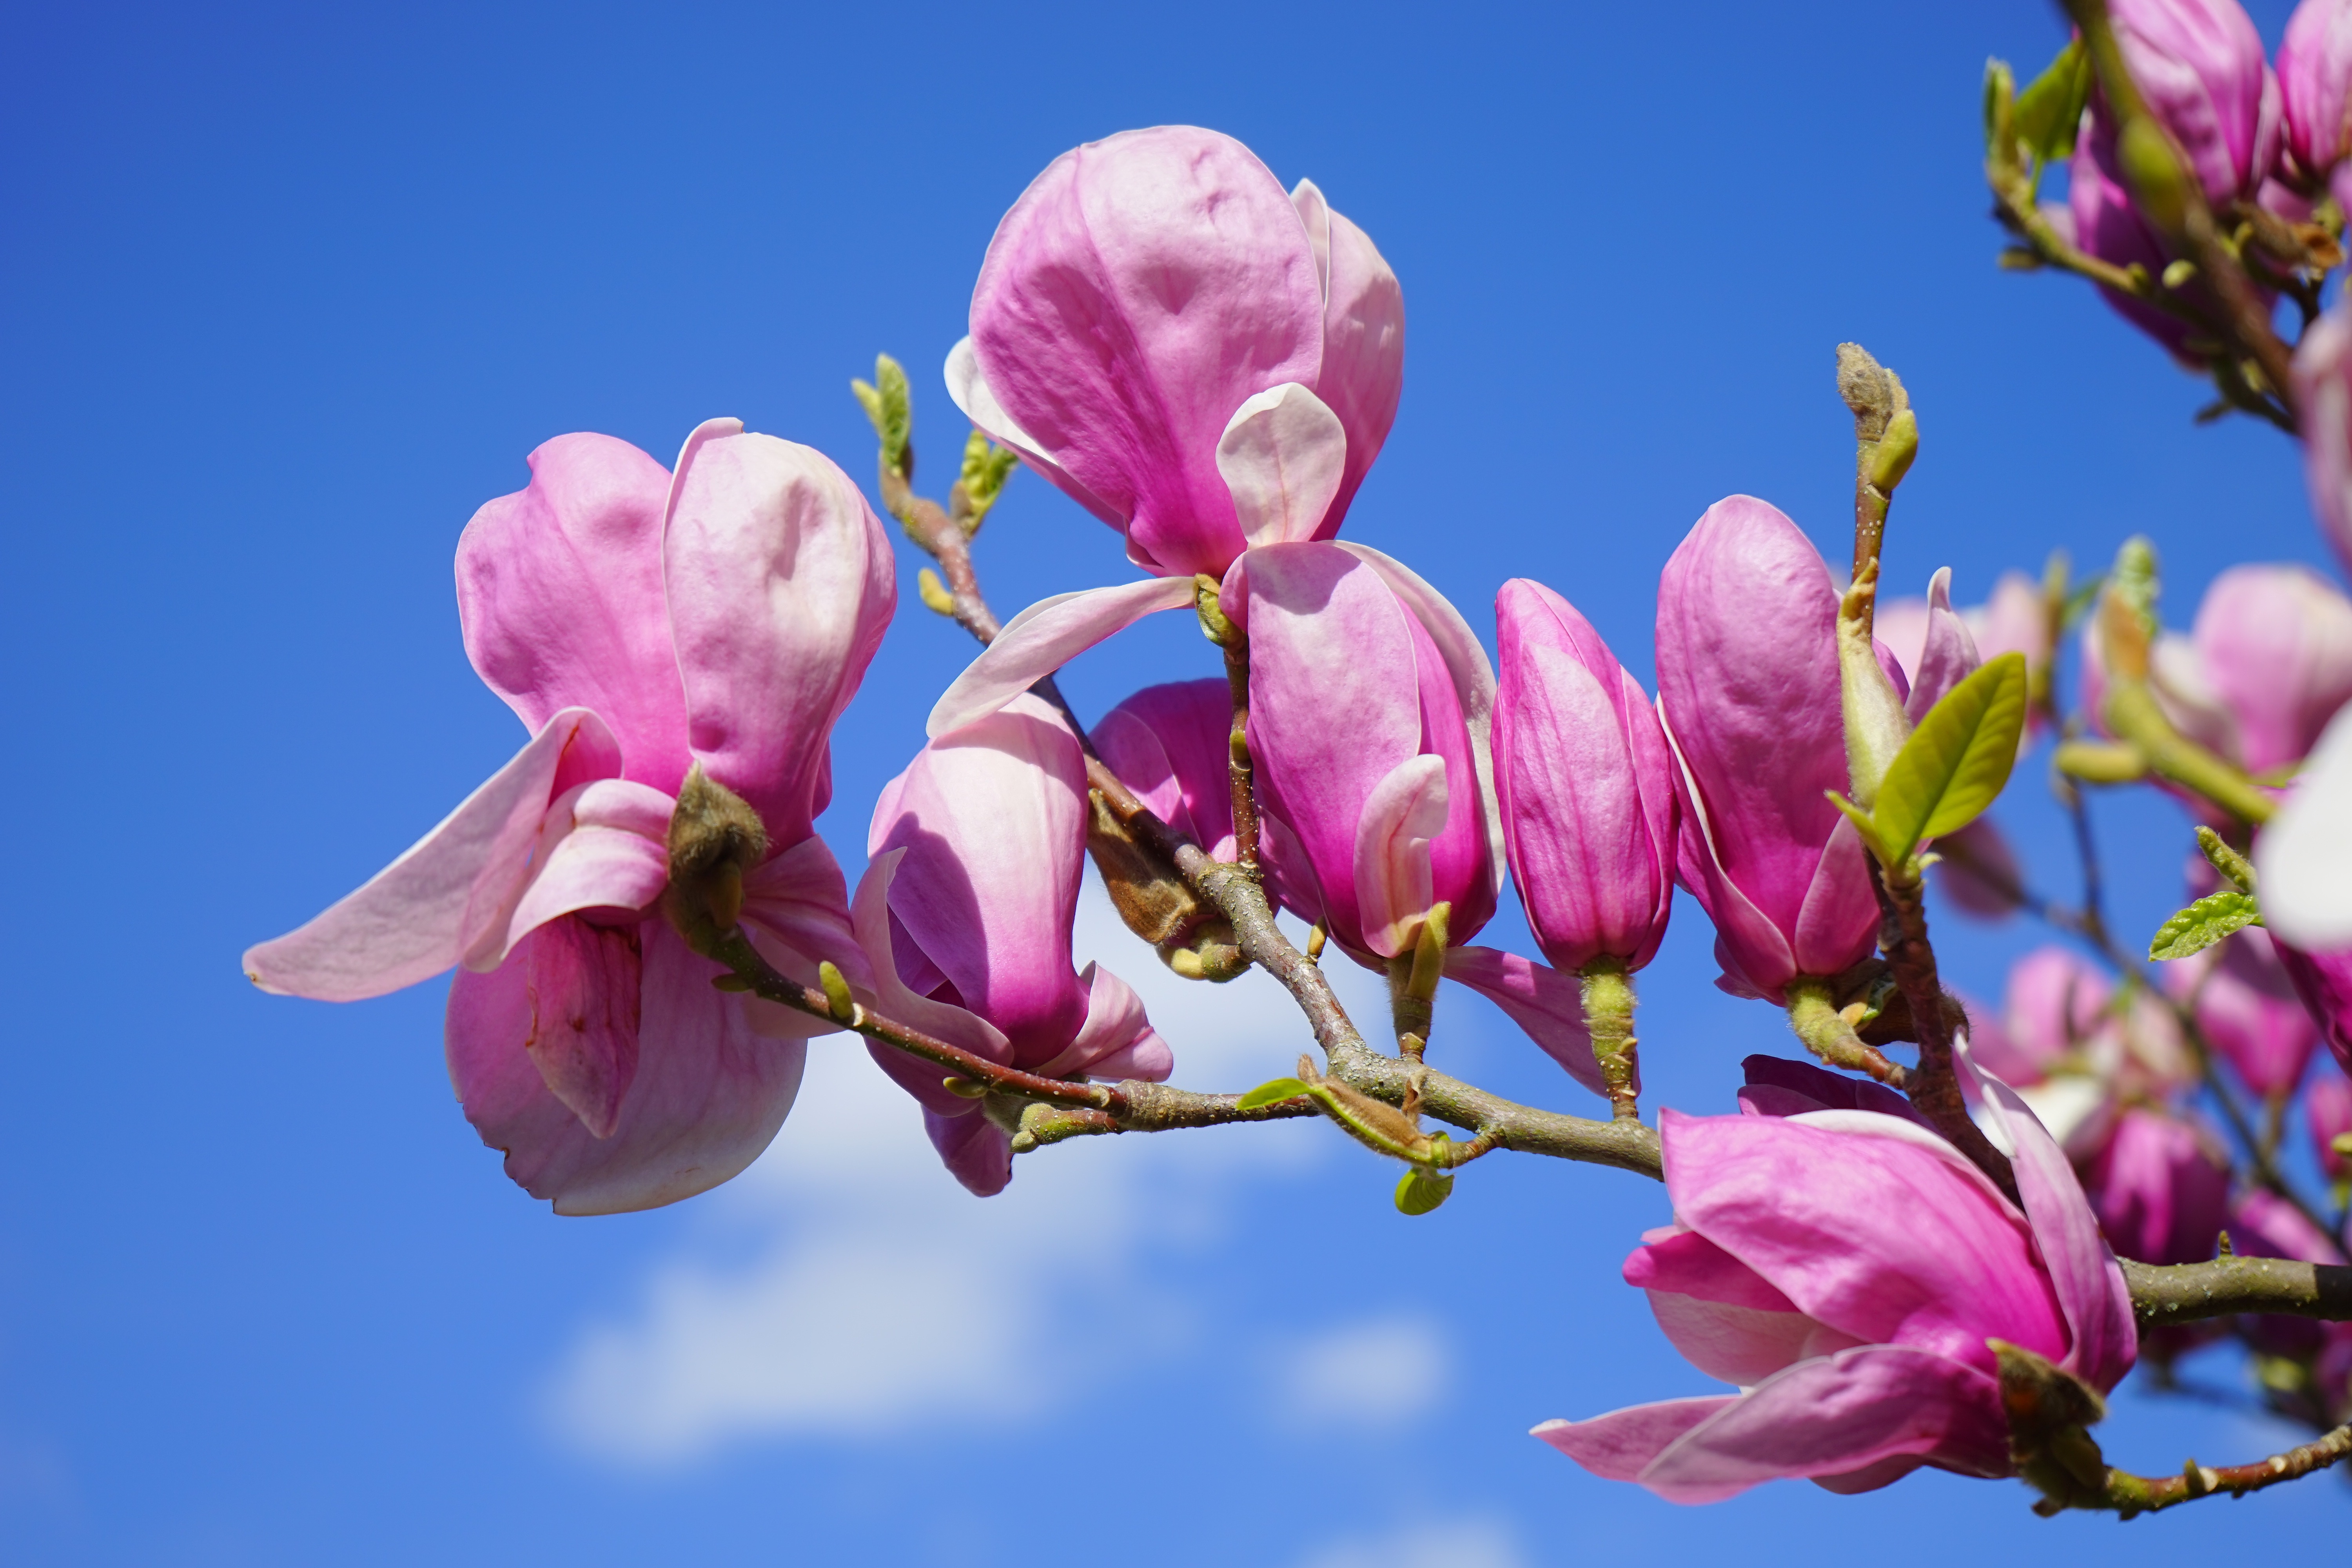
[{"x": 1608, "y": 1019}]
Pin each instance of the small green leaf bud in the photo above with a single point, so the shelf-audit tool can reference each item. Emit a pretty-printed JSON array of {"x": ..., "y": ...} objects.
[{"x": 935, "y": 594}]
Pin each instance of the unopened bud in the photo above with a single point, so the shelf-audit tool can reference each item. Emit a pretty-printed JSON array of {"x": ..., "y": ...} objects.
[
  {"x": 935, "y": 593},
  {"x": 1429, "y": 952},
  {"x": 1214, "y": 624},
  {"x": 964, "y": 1087},
  {"x": 1151, "y": 899},
  {"x": 1895, "y": 450},
  {"x": 2177, "y": 273},
  {"x": 837, "y": 999},
  {"x": 714, "y": 837}
]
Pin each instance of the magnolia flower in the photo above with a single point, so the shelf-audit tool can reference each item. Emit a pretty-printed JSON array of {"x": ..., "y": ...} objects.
[
  {"x": 2013, "y": 620},
  {"x": 1153, "y": 312},
  {"x": 965, "y": 912},
  {"x": 1171, "y": 745},
  {"x": 1855, "y": 1327},
  {"x": 639, "y": 625},
  {"x": 2303, "y": 858},
  {"x": 1748, "y": 695},
  {"x": 2323, "y": 389},
  {"x": 2314, "y": 77}
]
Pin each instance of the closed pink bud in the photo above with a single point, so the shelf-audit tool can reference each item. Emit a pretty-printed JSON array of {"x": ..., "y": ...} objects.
[
  {"x": 2199, "y": 69},
  {"x": 2314, "y": 77},
  {"x": 966, "y": 914},
  {"x": 1585, "y": 783},
  {"x": 2160, "y": 1188},
  {"x": 2105, "y": 223},
  {"x": 1854, "y": 1329},
  {"x": 2246, "y": 1006},
  {"x": 1155, "y": 316},
  {"x": 1369, "y": 705},
  {"x": 1748, "y": 692},
  {"x": 1171, "y": 745}
]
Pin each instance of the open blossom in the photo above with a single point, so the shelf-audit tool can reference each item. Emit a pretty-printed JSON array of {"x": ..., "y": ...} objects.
[
  {"x": 639, "y": 625},
  {"x": 966, "y": 913},
  {"x": 1855, "y": 1327},
  {"x": 1748, "y": 693},
  {"x": 1154, "y": 310},
  {"x": 2315, "y": 76}
]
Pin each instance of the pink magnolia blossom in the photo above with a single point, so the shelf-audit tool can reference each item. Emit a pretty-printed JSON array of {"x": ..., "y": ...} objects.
[
  {"x": 2275, "y": 647},
  {"x": 2160, "y": 1188},
  {"x": 1585, "y": 785},
  {"x": 2315, "y": 76},
  {"x": 966, "y": 913},
  {"x": 2246, "y": 1005},
  {"x": 1154, "y": 312},
  {"x": 1748, "y": 693},
  {"x": 638, "y": 624},
  {"x": 2324, "y": 982},
  {"x": 1855, "y": 1327},
  {"x": 2199, "y": 69},
  {"x": 1171, "y": 745}
]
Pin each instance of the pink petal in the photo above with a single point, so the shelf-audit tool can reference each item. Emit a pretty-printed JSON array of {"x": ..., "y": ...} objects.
[
  {"x": 1545, "y": 1002},
  {"x": 583, "y": 983},
  {"x": 1837, "y": 925},
  {"x": 1140, "y": 290},
  {"x": 1171, "y": 745},
  {"x": 796, "y": 911},
  {"x": 1402, "y": 814},
  {"x": 1466, "y": 664},
  {"x": 1363, "y": 338},
  {"x": 2088, "y": 1282},
  {"x": 1741, "y": 1346},
  {"x": 1619, "y": 1446},
  {"x": 1044, "y": 638},
  {"x": 1947, "y": 655},
  {"x": 976, "y": 1151},
  {"x": 1282, "y": 456},
  {"x": 559, "y": 592},
  {"x": 893, "y": 999},
  {"x": 993, "y": 820},
  {"x": 601, "y": 845},
  {"x": 707, "y": 1096},
  {"x": 781, "y": 584},
  {"x": 1116, "y": 1040},
  {"x": 1752, "y": 951},
  {"x": 1679, "y": 1261},
  {"x": 969, "y": 389},
  {"x": 1836, "y": 1415},
  {"x": 428, "y": 909},
  {"x": 1802, "y": 1200}
]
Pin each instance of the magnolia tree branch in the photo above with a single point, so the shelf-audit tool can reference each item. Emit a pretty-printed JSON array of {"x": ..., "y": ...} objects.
[
  {"x": 2221, "y": 1287},
  {"x": 2128, "y": 1494}
]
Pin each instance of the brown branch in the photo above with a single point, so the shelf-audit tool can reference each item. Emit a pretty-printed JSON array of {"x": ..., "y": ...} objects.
[
  {"x": 2222, "y": 1287},
  {"x": 2128, "y": 1494},
  {"x": 1934, "y": 1086}
]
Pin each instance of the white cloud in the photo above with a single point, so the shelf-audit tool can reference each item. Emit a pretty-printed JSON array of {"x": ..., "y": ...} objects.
[
  {"x": 873, "y": 1276},
  {"x": 1379, "y": 1374},
  {"x": 1453, "y": 1544}
]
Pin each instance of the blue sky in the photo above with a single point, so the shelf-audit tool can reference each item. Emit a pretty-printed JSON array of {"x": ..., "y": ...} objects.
[{"x": 286, "y": 294}]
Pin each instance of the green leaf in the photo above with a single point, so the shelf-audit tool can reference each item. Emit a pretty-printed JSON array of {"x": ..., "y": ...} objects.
[
  {"x": 2050, "y": 109},
  {"x": 1272, "y": 1093},
  {"x": 1862, "y": 821},
  {"x": 2203, "y": 923},
  {"x": 1420, "y": 1191},
  {"x": 1955, "y": 763}
]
